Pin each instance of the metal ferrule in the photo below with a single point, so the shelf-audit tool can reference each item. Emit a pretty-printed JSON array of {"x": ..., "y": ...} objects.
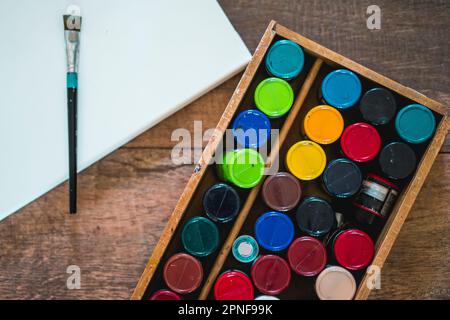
[{"x": 72, "y": 49}]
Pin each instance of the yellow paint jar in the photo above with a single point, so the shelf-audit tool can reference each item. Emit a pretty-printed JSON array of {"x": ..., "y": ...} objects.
[
  {"x": 306, "y": 160},
  {"x": 323, "y": 124}
]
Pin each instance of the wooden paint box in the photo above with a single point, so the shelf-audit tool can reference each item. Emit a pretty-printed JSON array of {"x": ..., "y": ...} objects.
[{"x": 319, "y": 61}]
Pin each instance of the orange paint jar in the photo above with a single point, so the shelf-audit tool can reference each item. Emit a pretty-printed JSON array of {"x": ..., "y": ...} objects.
[{"x": 323, "y": 124}]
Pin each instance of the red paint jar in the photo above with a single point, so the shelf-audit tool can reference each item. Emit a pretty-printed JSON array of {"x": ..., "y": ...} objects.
[
  {"x": 165, "y": 295},
  {"x": 360, "y": 142},
  {"x": 183, "y": 273},
  {"x": 271, "y": 274},
  {"x": 307, "y": 256},
  {"x": 233, "y": 285},
  {"x": 353, "y": 249}
]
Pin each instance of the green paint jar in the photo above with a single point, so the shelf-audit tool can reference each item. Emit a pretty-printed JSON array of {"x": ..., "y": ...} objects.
[
  {"x": 200, "y": 236},
  {"x": 274, "y": 97}
]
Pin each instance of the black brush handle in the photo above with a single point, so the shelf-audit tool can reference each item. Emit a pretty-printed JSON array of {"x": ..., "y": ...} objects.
[{"x": 72, "y": 117}]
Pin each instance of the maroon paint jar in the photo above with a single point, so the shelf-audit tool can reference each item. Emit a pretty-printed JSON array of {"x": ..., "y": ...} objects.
[
  {"x": 307, "y": 256},
  {"x": 165, "y": 295},
  {"x": 282, "y": 191},
  {"x": 271, "y": 274},
  {"x": 183, "y": 273}
]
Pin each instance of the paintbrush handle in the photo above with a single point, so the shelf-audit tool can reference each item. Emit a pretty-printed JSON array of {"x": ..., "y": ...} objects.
[{"x": 72, "y": 126}]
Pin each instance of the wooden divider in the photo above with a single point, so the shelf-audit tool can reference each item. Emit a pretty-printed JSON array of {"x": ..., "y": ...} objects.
[{"x": 223, "y": 254}]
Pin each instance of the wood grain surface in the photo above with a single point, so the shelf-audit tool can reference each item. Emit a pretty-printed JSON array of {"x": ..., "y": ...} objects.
[{"x": 126, "y": 198}]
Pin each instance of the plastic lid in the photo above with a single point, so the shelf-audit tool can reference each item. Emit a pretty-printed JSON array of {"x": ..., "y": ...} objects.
[
  {"x": 245, "y": 249},
  {"x": 221, "y": 202},
  {"x": 360, "y": 142},
  {"x": 247, "y": 168},
  {"x": 378, "y": 106},
  {"x": 342, "y": 178},
  {"x": 397, "y": 160},
  {"x": 306, "y": 160},
  {"x": 353, "y": 249},
  {"x": 266, "y": 297},
  {"x": 341, "y": 88},
  {"x": 271, "y": 274},
  {"x": 285, "y": 59},
  {"x": 200, "y": 236},
  {"x": 183, "y": 273},
  {"x": 251, "y": 128},
  {"x": 415, "y": 123},
  {"x": 315, "y": 216},
  {"x": 307, "y": 256},
  {"x": 323, "y": 124},
  {"x": 282, "y": 191},
  {"x": 274, "y": 97},
  {"x": 165, "y": 295},
  {"x": 335, "y": 283},
  {"x": 233, "y": 285},
  {"x": 274, "y": 231}
]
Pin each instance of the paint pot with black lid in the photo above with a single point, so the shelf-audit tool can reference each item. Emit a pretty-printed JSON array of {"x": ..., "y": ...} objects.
[
  {"x": 397, "y": 160},
  {"x": 378, "y": 106},
  {"x": 342, "y": 178},
  {"x": 375, "y": 200},
  {"x": 315, "y": 217},
  {"x": 221, "y": 202}
]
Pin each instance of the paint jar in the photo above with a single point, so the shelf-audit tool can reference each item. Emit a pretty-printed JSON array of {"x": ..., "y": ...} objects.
[
  {"x": 274, "y": 231},
  {"x": 307, "y": 256},
  {"x": 200, "y": 236},
  {"x": 245, "y": 249},
  {"x": 271, "y": 274},
  {"x": 323, "y": 124},
  {"x": 285, "y": 59},
  {"x": 221, "y": 202},
  {"x": 243, "y": 168},
  {"x": 378, "y": 106},
  {"x": 183, "y": 273},
  {"x": 342, "y": 178},
  {"x": 281, "y": 192},
  {"x": 233, "y": 285},
  {"x": 251, "y": 129},
  {"x": 397, "y": 160},
  {"x": 266, "y": 297},
  {"x": 274, "y": 97},
  {"x": 415, "y": 123},
  {"x": 341, "y": 89},
  {"x": 335, "y": 283},
  {"x": 306, "y": 160},
  {"x": 315, "y": 217},
  {"x": 360, "y": 142},
  {"x": 165, "y": 295}
]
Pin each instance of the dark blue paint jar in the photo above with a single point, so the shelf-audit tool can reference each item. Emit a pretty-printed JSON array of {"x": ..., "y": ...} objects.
[
  {"x": 342, "y": 178},
  {"x": 315, "y": 217},
  {"x": 221, "y": 202},
  {"x": 285, "y": 59},
  {"x": 397, "y": 160},
  {"x": 274, "y": 231},
  {"x": 251, "y": 128}
]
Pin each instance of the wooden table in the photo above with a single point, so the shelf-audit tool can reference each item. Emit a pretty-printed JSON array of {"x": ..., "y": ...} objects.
[{"x": 126, "y": 198}]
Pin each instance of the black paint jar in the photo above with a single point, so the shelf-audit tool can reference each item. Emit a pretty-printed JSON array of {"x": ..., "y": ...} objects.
[
  {"x": 342, "y": 178},
  {"x": 221, "y": 202},
  {"x": 315, "y": 217},
  {"x": 378, "y": 106},
  {"x": 397, "y": 160}
]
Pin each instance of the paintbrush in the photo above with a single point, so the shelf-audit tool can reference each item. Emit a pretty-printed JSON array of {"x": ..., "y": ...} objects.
[{"x": 72, "y": 28}]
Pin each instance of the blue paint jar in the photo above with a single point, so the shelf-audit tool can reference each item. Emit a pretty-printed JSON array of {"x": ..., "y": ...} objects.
[
  {"x": 285, "y": 59},
  {"x": 341, "y": 89},
  {"x": 274, "y": 231},
  {"x": 251, "y": 128},
  {"x": 342, "y": 178},
  {"x": 415, "y": 123}
]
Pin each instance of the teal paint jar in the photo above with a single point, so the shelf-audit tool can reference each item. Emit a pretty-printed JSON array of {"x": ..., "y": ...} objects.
[
  {"x": 341, "y": 89},
  {"x": 245, "y": 249},
  {"x": 200, "y": 236},
  {"x": 285, "y": 59},
  {"x": 415, "y": 123}
]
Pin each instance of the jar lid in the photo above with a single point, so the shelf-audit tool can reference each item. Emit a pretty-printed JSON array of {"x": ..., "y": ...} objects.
[
  {"x": 360, "y": 142},
  {"x": 382, "y": 180},
  {"x": 266, "y": 297},
  {"x": 342, "y": 178},
  {"x": 200, "y": 236},
  {"x": 233, "y": 285},
  {"x": 353, "y": 249},
  {"x": 165, "y": 295},
  {"x": 274, "y": 97},
  {"x": 271, "y": 274},
  {"x": 251, "y": 128},
  {"x": 315, "y": 216},
  {"x": 282, "y": 191},
  {"x": 221, "y": 202},
  {"x": 335, "y": 283},
  {"x": 247, "y": 168},
  {"x": 183, "y": 273},
  {"x": 341, "y": 88},
  {"x": 415, "y": 123},
  {"x": 306, "y": 160},
  {"x": 378, "y": 106},
  {"x": 397, "y": 160},
  {"x": 274, "y": 231},
  {"x": 245, "y": 249},
  {"x": 285, "y": 59},
  {"x": 307, "y": 256},
  {"x": 323, "y": 124}
]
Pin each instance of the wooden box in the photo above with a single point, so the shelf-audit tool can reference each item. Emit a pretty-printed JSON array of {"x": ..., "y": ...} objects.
[{"x": 318, "y": 62}]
